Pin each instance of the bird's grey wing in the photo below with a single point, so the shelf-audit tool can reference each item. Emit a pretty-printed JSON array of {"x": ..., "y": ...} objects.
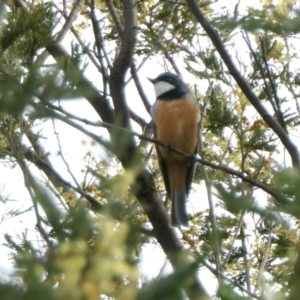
[
  {"x": 162, "y": 165},
  {"x": 191, "y": 171}
]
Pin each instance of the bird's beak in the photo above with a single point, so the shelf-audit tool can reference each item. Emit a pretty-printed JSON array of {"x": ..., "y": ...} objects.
[{"x": 151, "y": 80}]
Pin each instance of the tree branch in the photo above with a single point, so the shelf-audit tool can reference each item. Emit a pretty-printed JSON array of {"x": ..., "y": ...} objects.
[
  {"x": 140, "y": 88},
  {"x": 229, "y": 280},
  {"x": 277, "y": 195},
  {"x": 278, "y": 110},
  {"x": 262, "y": 73},
  {"x": 208, "y": 184},
  {"x": 158, "y": 41},
  {"x": 243, "y": 84},
  {"x": 56, "y": 179},
  {"x": 99, "y": 103},
  {"x": 27, "y": 179},
  {"x": 237, "y": 231},
  {"x": 100, "y": 48},
  {"x": 145, "y": 191},
  {"x": 85, "y": 87},
  {"x": 264, "y": 261},
  {"x": 117, "y": 80},
  {"x": 80, "y": 41},
  {"x": 288, "y": 77},
  {"x": 115, "y": 18}
]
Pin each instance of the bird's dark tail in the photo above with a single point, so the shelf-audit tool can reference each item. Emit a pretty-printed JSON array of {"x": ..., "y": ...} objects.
[{"x": 179, "y": 214}]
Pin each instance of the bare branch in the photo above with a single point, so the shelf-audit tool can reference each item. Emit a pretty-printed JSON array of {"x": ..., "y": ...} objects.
[
  {"x": 117, "y": 78},
  {"x": 140, "y": 88}
]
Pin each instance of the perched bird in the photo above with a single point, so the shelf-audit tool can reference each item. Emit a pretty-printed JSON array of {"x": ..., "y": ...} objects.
[{"x": 176, "y": 117}]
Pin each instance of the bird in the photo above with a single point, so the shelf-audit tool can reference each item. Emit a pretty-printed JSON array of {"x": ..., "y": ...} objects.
[{"x": 176, "y": 117}]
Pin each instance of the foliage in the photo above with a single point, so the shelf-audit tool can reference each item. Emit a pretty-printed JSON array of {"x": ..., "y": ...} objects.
[{"x": 93, "y": 227}]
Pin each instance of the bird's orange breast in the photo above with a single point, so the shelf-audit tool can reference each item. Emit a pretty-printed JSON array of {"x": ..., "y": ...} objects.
[{"x": 177, "y": 124}]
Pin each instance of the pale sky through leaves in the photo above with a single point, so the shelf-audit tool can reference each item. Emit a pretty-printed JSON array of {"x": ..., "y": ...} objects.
[{"x": 12, "y": 181}]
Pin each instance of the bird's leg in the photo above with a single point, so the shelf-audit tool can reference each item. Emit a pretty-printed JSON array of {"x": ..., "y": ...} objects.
[
  {"x": 168, "y": 147},
  {"x": 193, "y": 159},
  {"x": 166, "y": 201}
]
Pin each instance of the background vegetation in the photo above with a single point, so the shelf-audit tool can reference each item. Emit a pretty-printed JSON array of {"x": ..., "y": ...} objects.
[{"x": 92, "y": 228}]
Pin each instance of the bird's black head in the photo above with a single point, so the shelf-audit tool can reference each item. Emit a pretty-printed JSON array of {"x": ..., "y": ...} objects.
[{"x": 169, "y": 86}]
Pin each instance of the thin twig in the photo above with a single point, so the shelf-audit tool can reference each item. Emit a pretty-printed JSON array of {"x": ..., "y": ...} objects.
[
  {"x": 233, "y": 282},
  {"x": 245, "y": 254},
  {"x": 57, "y": 194},
  {"x": 17, "y": 151},
  {"x": 52, "y": 174},
  {"x": 288, "y": 76},
  {"x": 262, "y": 73},
  {"x": 278, "y": 111},
  {"x": 137, "y": 118},
  {"x": 173, "y": 2},
  {"x": 264, "y": 261},
  {"x": 63, "y": 157},
  {"x": 80, "y": 41},
  {"x": 172, "y": 62},
  {"x": 237, "y": 231},
  {"x": 140, "y": 88},
  {"x": 278, "y": 196},
  {"x": 208, "y": 184},
  {"x": 27, "y": 179},
  {"x": 100, "y": 48}
]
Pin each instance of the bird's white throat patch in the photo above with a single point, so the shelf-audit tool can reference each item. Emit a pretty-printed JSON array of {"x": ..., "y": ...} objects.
[{"x": 162, "y": 87}]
